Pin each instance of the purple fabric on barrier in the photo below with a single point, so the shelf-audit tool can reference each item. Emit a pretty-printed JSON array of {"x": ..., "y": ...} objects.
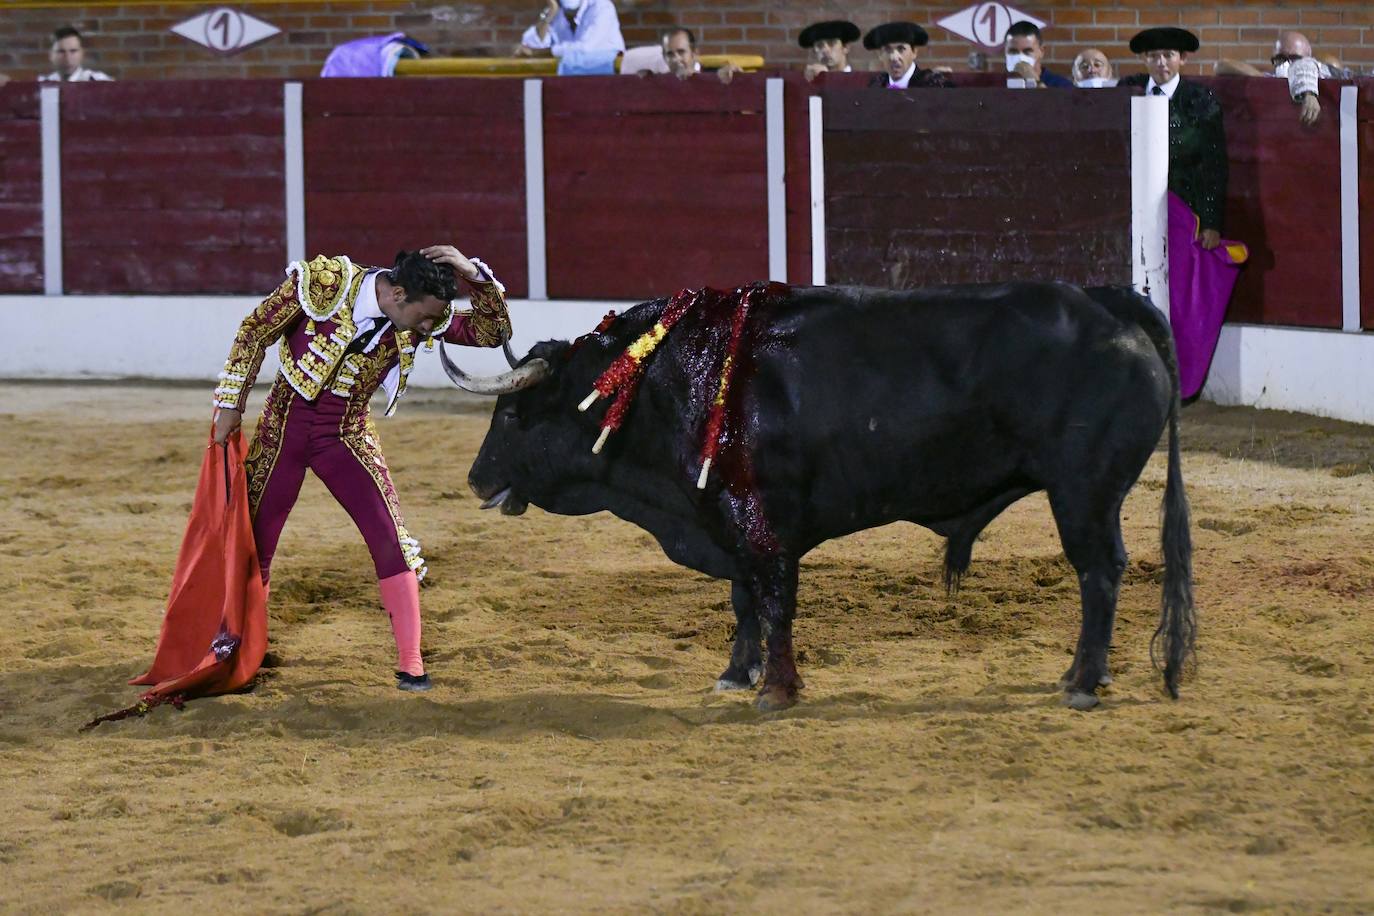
[
  {"x": 365, "y": 56},
  {"x": 1200, "y": 284}
]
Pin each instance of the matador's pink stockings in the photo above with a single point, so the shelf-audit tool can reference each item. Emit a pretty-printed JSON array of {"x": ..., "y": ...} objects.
[{"x": 401, "y": 598}]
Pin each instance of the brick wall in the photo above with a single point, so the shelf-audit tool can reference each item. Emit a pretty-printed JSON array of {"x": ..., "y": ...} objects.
[{"x": 132, "y": 41}]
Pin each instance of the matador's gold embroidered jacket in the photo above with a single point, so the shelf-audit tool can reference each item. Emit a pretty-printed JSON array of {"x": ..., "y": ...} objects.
[{"x": 312, "y": 312}]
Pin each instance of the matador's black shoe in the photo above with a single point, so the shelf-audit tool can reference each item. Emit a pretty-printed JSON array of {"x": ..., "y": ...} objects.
[{"x": 412, "y": 682}]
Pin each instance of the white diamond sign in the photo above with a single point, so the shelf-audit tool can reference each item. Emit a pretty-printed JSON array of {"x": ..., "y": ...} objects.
[
  {"x": 986, "y": 24},
  {"x": 225, "y": 30}
]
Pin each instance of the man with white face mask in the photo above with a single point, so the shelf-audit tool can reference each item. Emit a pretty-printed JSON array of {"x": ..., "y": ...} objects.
[
  {"x": 572, "y": 26},
  {"x": 1025, "y": 52}
]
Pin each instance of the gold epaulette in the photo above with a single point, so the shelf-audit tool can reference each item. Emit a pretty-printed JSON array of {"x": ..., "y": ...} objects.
[{"x": 325, "y": 282}]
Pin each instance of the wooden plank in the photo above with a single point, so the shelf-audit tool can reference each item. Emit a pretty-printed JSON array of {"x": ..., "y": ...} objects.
[
  {"x": 660, "y": 93},
  {"x": 462, "y": 99},
  {"x": 990, "y": 111},
  {"x": 173, "y": 269},
  {"x": 21, "y": 190}
]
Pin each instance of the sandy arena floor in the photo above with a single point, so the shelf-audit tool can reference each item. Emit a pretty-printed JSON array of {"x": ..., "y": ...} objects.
[{"x": 572, "y": 758}]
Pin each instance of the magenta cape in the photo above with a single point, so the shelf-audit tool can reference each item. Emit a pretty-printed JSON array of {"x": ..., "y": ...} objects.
[{"x": 1200, "y": 284}]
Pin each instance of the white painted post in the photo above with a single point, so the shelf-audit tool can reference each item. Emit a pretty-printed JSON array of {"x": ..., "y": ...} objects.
[
  {"x": 1350, "y": 212},
  {"x": 536, "y": 252},
  {"x": 817, "y": 193},
  {"x": 777, "y": 185},
  {"x": 50, "y": 115},
  {"x": 1150, "y": 199},
  {"x": 293, "y": 135}
]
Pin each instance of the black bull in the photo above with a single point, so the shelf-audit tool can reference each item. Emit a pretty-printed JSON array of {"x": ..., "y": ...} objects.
[{"x": 855, "y": 408}]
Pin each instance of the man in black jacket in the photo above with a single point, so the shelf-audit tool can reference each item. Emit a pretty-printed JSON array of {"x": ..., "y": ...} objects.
[
  {"x": 1197, "y": 140},
  {"x": 898, "y": 44}
]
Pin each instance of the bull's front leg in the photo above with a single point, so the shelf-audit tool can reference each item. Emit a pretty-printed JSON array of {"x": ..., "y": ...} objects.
[
  {"x": 746, "y": 658},
  {"x": 775, "y": 584}
]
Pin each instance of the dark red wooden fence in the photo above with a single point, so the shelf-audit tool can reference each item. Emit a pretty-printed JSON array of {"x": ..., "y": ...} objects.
[
  {"x": 392, "y": 164},
  {"x": 21, "y": 190},
  {"x": 172, "y": 187},
  {"x": 652, "y": 185},
  {"x": 932, "y": 186},
  {"x": 1283, "y": 202}
]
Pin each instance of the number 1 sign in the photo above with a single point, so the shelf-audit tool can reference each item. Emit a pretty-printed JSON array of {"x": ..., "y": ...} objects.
[
  {"x": 986, "y": 24},
  {"x": 225, "y": 30}
]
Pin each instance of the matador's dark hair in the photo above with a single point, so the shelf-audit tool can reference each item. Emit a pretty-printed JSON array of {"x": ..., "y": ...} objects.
[
  {"x": 67, "y": 32},
  {"x": 418, "y": 275}
]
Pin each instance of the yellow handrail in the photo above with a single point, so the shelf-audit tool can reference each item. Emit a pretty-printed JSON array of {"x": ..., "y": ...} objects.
[{"x": 535, "y": 66}]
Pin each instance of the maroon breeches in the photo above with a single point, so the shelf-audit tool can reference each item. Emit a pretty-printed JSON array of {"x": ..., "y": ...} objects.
[{"x": 340, "y": 445}]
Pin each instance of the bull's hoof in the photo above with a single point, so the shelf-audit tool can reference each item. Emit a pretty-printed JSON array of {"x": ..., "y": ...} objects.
[
  {"x": 1077, "y": 699},
  {"x": 730, "y": 680},
  {"x": 774, "y": 699}
]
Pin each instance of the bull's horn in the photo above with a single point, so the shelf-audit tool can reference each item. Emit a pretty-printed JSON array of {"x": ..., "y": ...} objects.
[
  {"x": 532, "y": 373},
  {"x": 510, "y": 357}
]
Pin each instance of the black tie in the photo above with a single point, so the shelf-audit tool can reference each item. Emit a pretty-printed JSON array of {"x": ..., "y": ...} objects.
[
  {"x": 361, "y": 342},
  {"x": 1158, "y": 91}
]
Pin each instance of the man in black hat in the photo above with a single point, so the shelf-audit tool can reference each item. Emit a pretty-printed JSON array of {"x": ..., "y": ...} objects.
[
  {"x": 828, "y": 43},
  {"x": 1197, "y": 140},
  {"x": 898, "y": 44}
]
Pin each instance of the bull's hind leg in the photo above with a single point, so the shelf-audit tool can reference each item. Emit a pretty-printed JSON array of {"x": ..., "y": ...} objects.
[
  {"x": 1090, "y": 529},
  {"x": 746, "y": 659},
  {"x": 775, "y": 584}
]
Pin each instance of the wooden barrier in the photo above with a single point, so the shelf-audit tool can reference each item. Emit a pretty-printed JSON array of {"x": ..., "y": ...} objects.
[
  {"x": 654, "y": 185},
  {"x": 1284, "y": 202},
  {"x": 930, "y": 186},
  {"x": 392, "y": 165},
  {"x": 172, "y": 187},
  {"x": 21, "y": 190}
]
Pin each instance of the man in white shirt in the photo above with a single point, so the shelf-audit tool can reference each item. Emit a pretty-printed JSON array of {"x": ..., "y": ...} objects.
[
  {"x": 572, "y": 25},
  {"x": 67, "y": 54}
]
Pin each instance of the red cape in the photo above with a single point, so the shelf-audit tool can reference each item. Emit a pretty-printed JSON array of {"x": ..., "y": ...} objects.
[{"x": 215, "y": 632}]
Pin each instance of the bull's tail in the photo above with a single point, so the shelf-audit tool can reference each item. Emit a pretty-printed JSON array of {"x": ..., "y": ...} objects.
[{"x": 1173, "y": 641}]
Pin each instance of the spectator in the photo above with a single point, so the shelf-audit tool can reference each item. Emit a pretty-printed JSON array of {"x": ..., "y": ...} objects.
[
  {"x": 898, "y": 45},
  {"x": 67, "y": 54},
  {"x": 1025, "y": 56},
  {"x": 828, "y": 43},
  {"x": 1197, "y": 141},
  {"x": 1092, "y": 70},
  {"x": 680, "y": 54},
  {"x": 579, "y": 26},
  {"x": 1293, "y": 61}
]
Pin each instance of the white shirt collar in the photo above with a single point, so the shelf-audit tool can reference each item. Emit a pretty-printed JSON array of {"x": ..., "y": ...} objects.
[
  {"x": 1169, "y": 88},
  {"x": 366, "y": 310},
  {"x": 906, "y": 77}
]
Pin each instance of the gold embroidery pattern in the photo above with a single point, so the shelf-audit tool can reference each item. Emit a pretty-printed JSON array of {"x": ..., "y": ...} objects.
[
  {"x": 489, "y": 320},
  {"x": 267, "y": 442},
  {"x": 360, "y": 436},
  {"x": 314, "y": 370},
  {"x": 263, "y": 325}
]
